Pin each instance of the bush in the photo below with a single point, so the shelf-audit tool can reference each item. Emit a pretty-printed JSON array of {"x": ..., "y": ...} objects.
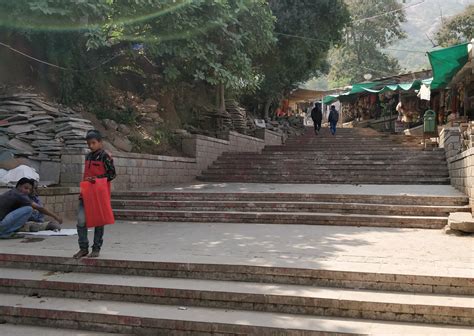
[{"x": 127, "y": 116}]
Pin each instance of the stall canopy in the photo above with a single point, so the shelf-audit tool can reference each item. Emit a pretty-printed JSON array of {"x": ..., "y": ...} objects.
[
  {"x": 369, "y": 87},
  {"x": 356, "y": 88},
  {"x": 446, "y": 63}
]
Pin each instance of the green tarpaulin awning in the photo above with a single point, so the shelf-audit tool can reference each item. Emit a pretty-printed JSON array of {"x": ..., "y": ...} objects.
[
  {"x": 367, "y": 87},
  {"x": 356, "y": 88},
  {"x": 330, "y": 99},
  {"x": 446, "y": 63}
]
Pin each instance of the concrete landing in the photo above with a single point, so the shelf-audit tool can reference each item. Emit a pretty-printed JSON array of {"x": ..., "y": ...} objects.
[
  {"x": 365, "y": 249},
  {"x": 350, "y": 189}
]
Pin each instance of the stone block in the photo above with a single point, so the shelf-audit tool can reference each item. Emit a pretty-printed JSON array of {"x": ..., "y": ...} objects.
[
  {"x": 461, "y": 221},
  {"x": 50, "y": 171}
]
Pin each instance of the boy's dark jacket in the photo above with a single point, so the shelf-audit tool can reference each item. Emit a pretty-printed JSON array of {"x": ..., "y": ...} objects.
[{"x": 99, "y": 164}]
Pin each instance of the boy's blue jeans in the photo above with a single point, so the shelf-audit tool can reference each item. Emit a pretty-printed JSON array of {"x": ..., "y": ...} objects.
[
  {"x": 82, "y": 231},
  {"x": 14, "y": 221},
  {"x": 333, "y": 127}
]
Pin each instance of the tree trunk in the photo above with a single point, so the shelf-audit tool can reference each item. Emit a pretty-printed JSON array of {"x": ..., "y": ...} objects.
[
  {"x": 221, "y": 101},
  {"x": 266, "y": 110}
]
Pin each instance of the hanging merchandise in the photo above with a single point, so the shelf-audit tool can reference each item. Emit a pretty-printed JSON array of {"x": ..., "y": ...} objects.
[{"x": 425, "y": 92}]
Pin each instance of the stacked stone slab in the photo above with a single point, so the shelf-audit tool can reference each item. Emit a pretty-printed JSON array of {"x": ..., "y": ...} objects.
[
  {"x": 31, "y": 127},
  {"x": 157, "y": 298},
  {"x": 353, "y": 156}
]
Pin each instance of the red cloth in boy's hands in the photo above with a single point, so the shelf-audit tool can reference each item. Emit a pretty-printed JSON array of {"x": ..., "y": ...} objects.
[{"x": 96, "y": 200}]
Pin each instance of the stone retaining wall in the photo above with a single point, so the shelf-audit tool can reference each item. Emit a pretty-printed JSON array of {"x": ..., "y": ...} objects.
[
  {"x": 271, "y": 138},
  {"x": 460, "y": 164},
  {"x": 138, "y": 171},
  {"x": 206, "y": 150},
  {"x": 63, "y": 201}
]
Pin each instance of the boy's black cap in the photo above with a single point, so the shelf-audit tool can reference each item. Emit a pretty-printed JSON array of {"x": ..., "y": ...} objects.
[{"x": 93, "y": 134}]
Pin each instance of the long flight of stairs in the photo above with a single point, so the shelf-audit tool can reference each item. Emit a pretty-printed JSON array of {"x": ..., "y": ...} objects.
[
  {"x": 354, "y": 155},
  {"x": 142, "y": 297},
  {"x": 164, "y": 298}
]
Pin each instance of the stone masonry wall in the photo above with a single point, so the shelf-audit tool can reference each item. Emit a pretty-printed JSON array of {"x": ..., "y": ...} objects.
[
  {"x": 244, "y": 143},
  {"x": 460, "y": 164},
  {"x": 63, "y": 201},
  {"x": 72, "y": 168},
  {"x": 206, "y": 150},
  {"x": 138, "y": 171},
  {"x": 271, "y": 138}
]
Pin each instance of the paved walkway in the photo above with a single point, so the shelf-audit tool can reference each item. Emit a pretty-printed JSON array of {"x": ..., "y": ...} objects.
[
  {"x": 367, "y": 189},
  {"x": 402, "y": 251}
]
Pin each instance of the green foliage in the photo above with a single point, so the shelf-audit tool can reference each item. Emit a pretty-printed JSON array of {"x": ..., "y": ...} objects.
[
  {"x": 225, "y": 44},
  {"x": 305, "y": 30},
  {"x": 217, "y": 43},
  {"x": 211, "y": 41},
  {"x": 128, "y": 116},
  {"x": 360, "y": 53},
  {"x": 458, "y": 29}
]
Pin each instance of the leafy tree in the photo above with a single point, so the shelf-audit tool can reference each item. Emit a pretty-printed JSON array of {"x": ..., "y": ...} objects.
[
  {"x": 215, "y": 42},
  {"x": 218, "y": 43},
  {"x": 305, "y": 30},
  {"x": 374, "y": 26},
  {"x": 458, "y": 29}
]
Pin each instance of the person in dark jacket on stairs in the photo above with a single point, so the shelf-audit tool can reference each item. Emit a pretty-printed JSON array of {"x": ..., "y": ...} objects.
[
  {"x": 333, "y": 119},
  {"x": 317, "y": 116}
]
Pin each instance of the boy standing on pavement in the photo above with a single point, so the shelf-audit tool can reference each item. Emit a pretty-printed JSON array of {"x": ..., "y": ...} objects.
[{"x": 99, "y": 164}]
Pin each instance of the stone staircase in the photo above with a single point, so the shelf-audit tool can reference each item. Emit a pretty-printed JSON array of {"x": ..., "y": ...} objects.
[
  {"x": 354, "y": 155},
  {"x": 155, "y": 293},
  {"x": 165, "y": 298},
  {"x": 427, "y": 212}
]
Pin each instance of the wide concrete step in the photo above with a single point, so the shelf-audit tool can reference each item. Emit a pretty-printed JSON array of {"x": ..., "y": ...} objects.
[
  {"x": 259, "y": 297},
  {"x": 298, "y": 218},
  {"x": 153, "y": 319},
  {"x": 335, "y": 148},
  {"x": 413, "y": 283},
  {"x": 351, "y": 140},
  {"x": 342, "y": 162},
  {"x": 314, "y": 207},
  {"x": 328, "y": 172},
  {"x": 7, "y": 329},
  {"x": 361, "y": 154},
  {"x": 325, "y": 170},
  {"x": 255, "y": 178},
  {"x": 342, "y": 156},
  {"x": 293, "y": 197}
]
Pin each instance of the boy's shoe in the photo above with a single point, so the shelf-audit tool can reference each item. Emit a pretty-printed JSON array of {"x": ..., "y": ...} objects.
[
  {"x": 81, "y": 254},
  {"x": 94, "y": 254}
]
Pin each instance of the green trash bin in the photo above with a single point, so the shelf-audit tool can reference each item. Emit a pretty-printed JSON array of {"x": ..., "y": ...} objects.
[{"x": 429, "y": 122}]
